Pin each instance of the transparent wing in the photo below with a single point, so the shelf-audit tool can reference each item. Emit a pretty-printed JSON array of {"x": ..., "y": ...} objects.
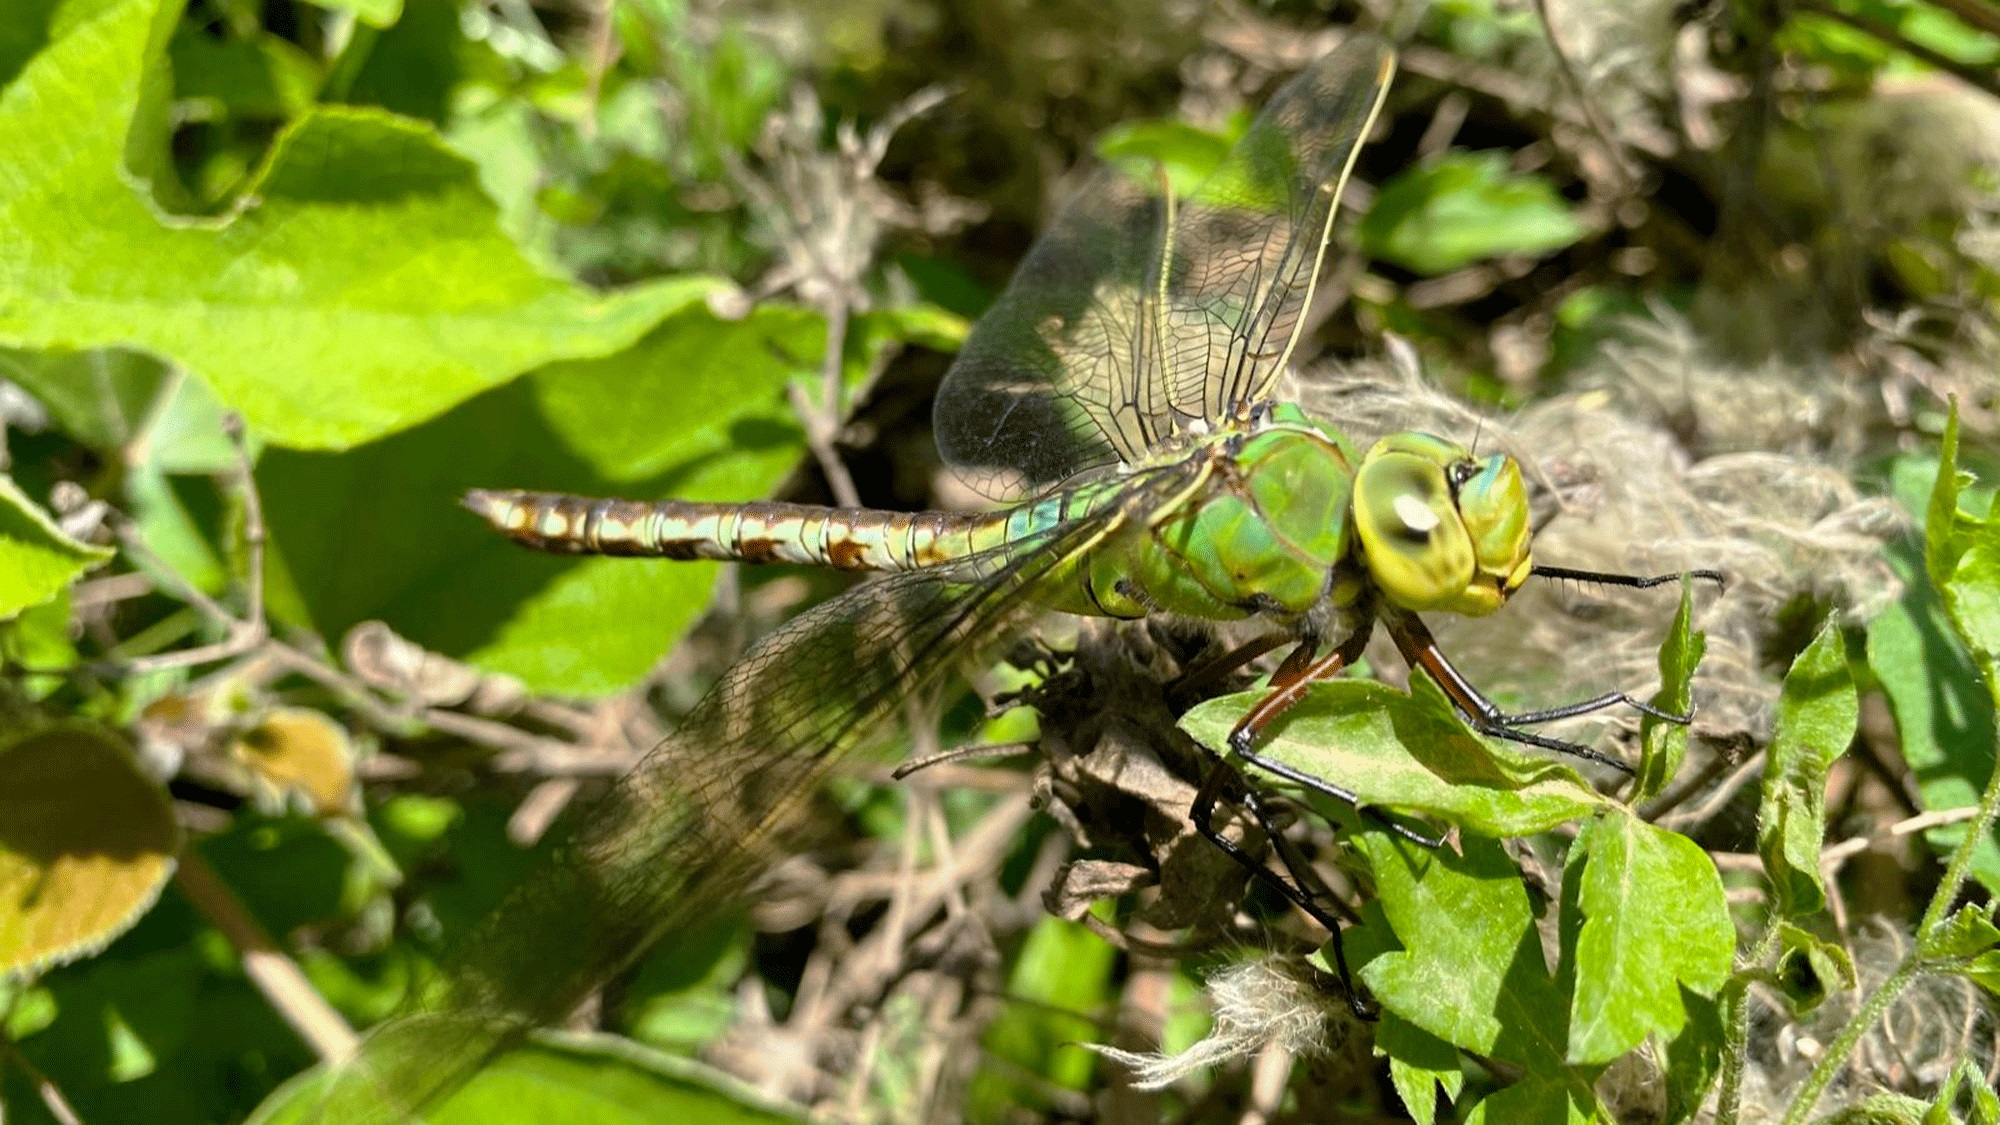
[
  {"x": 1122, "y": 327},
  {"x": 691, "y": 827}
]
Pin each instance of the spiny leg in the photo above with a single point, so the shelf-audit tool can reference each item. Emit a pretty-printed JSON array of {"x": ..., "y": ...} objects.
[
  {"x": 1296, "y": 891},
  {"x": 1632, "y": 581},
  {"x": 1211, "y": 672},
  {"x": 1421, "y": 650}
]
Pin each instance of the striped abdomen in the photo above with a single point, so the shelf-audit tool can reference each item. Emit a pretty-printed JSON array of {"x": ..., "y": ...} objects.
[{"x": 761, "y": 532}]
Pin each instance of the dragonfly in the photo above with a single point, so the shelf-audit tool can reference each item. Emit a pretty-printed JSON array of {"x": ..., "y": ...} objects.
[{"x": 1124, "y": 383}]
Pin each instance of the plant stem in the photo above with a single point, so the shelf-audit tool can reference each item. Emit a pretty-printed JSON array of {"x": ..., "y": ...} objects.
[
  {"x": 1864, "y": 1020},
  {"x": 1947, "y": 893},
  {"x": 1736, "y": 1028}
]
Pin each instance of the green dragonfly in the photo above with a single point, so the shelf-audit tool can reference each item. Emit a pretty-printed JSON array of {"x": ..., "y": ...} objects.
[{"x": 1124, "y": 382}]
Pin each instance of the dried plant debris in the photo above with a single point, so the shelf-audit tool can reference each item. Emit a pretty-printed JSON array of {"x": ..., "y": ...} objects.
[
  {"x": 1627, "y": 483},
  {"x": 1280, "y": 1002}
]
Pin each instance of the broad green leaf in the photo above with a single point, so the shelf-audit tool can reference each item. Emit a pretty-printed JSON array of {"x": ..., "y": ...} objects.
[
  {"x": 568, "y": 1080},
  {"x": 1541, "y": 1100},
  {"x": 86, "y": 843},
  {"x": 36, "y": 559},
  {"x": 1419, "y": 1063},
  {"x": 364, "y": 287},
  {"x": 1809, "y": 969},
  {"x": 1694, "y": 1057},
  {"x": 1141, "y": 150},
  {"x": 1409, "y": 753},
  {"x": 1943, "y": 712},
  {"x": 1655, "y": 920},
  {"x": 1664, "y": 744},
  {"x": 36, "y": 643},
  {"x": 1465, "y": 207},
  {"x": 696, "y": 411},
  {"x": 1461, "y": 957},
  {"x": 1817, "y": 712},
  {"x": 98, "y": 397}
]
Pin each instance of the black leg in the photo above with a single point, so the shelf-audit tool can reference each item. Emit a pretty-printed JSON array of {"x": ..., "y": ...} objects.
[
  {"x": 1203, "y": 815},
  {"x": 1633, "y": 581},
  {"x": 1421, "y": 650}
]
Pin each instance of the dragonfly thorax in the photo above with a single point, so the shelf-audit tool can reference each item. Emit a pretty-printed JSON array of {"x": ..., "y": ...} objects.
[{"x": 1439, "y": 528}]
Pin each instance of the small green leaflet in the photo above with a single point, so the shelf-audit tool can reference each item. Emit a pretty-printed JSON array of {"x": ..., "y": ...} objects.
[
  {"x": 36, "y": 559},
  {"x": 1654, "y": 921},
  {"x": 1817, "y": 712},
  {"x": 1663, "y": 744}
]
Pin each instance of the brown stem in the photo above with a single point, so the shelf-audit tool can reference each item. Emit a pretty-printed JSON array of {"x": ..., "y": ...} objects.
[{"x": 275, "y": 974}]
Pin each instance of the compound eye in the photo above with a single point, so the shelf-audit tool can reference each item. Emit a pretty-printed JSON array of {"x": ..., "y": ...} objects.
[{"x": 1411, "y": 535}]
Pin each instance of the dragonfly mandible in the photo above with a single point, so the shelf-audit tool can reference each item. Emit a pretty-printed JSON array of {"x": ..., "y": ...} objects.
[{"x": 1125, "y": 381}]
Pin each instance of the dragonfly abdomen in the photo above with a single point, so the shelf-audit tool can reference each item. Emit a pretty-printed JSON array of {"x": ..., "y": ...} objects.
[{"x": 757, "y": 532}]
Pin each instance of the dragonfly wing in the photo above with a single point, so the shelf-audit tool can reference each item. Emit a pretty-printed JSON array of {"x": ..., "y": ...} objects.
[
  {"x": 718, "y": 803},
  {"x": 1248, "y": 244},
  {"x": 1091, "y": 357}
]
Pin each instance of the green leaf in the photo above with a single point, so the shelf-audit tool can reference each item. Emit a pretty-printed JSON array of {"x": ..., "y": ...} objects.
[
  {"x": 1454, "y": 950},
  {"x": 86, "y": 843},
  {"x": 1410, "y": 753},
  {"x": 1654, "y": 919},
  {"x": 1187, "y": 153},
  {"x": 1419, "y": 1063},
  {"x": 1063, "y": 973},
  {"x": 1966, "y": 934},
  {"x": 1462, "y": 208},
  {"x": 1962, "y": 555},
  {"x": 696, "y": 411},
  {"x": 36, "y": 559},
  {"x": 567, "y": 1080},
  {"x": 265, "y": 77},
  {"x": 1943, "y": 712},
  {"x": 1664, "y": 744},
  {"x": 1694, "y": 1057},
  {"x": 1817, "y": 712},
  {"x": 100, "y": 398},
  {"x": 1540, "y": 1100},
  {"x": 364, "y": 287},
  {"x": 1809, "y": 969}
]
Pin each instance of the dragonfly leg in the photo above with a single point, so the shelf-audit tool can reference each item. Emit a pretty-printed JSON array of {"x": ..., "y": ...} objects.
[
  {"x": 1634, "y": 581},
  {"x": 1297, "y": 891},
  {"x": 1211, "y": 672},
  {"x": 1299, "y": 671},
  {"x": 1421, "y": 650}
]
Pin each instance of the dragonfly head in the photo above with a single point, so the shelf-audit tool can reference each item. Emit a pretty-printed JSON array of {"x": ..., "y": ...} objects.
[{"x": 1441, "y": 529}]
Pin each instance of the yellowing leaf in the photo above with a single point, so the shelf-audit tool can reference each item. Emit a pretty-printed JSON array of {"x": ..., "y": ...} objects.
[
  {"x": 86, "y": 842},
  {"x": 301, "y": 750}
]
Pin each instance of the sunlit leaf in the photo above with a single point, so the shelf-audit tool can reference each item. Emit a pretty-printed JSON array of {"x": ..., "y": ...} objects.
[
  {"x": 86, "y": 842},
  {"x": 694, "y": 411},
  {"x": 36, "y": 559},
  {"x": 1654, "y": 920},
  {"x": 1462, "y": 208},
  {"x": 1817, "y": 712},
  {"x": 1419, "y": 1063},
  {"x": 1943, "y": 712},
  {"x": 365, "y": 288},
  {"x": 1664, "y": 744},
  {"x": 1461, "y": 957},
  {"x": 1407, "y": 753}
]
